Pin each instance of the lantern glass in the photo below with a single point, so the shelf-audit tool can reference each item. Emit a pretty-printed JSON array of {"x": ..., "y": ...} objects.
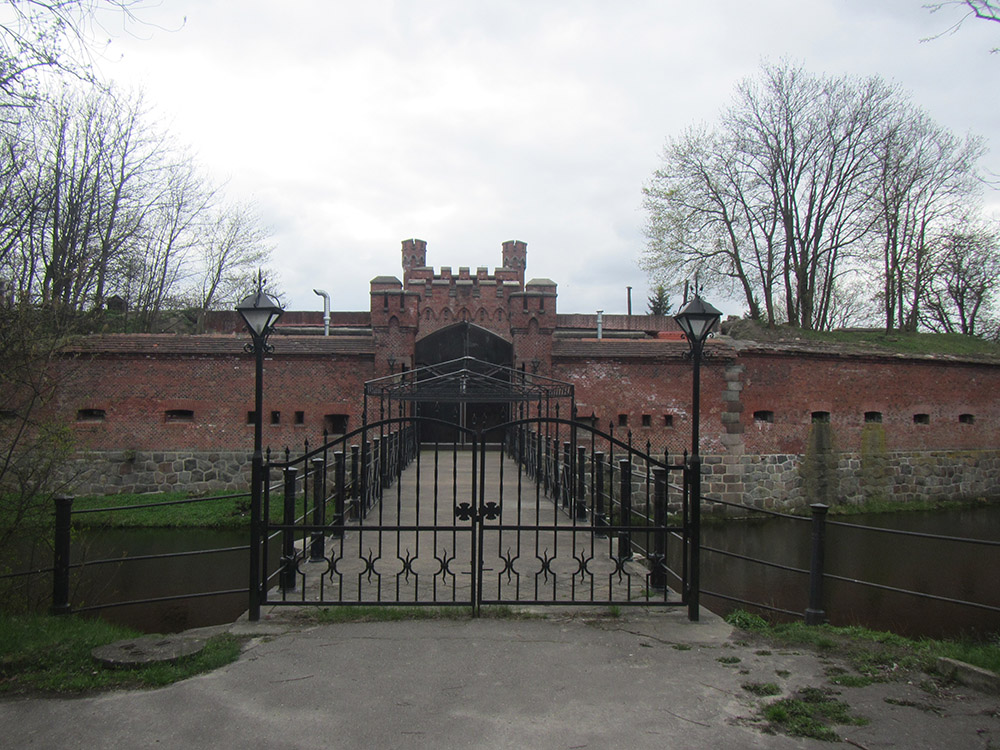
[
  {"x": 260, "y": 312},
  {"x": 697, "y": 319}
]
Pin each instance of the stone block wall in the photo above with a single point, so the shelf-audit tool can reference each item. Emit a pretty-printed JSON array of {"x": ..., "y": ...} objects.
[
  {"x": 781, "y": 481},
  {"x": 127, "y": 472}
]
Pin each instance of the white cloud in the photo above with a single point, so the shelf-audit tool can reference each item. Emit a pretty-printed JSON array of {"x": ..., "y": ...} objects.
[{"x": 466, "y": 124}]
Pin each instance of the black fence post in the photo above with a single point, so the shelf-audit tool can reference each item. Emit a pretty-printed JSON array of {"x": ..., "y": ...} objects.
[
  {"x": 287, "y": 534},
  {"x": 317, "y": 551},
  {"x": 355, "y": 463},
  {"x": 60, "y": 578},
  {"x": 625, "y": 535},
  {"x": 815, "y": 615},
  {"x": 600, "y": 520},
  {"x": 566, "y": 478},
  {"x": 658, "y": 560},
  {"x": 338, "y": 493},
  {"x": 581, "y": 483}
]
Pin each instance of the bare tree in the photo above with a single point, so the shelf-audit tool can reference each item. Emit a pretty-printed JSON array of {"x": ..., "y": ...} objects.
[
  {"x": 773, "y": 202},
  {"x": 52, "y": 35},
  {"x": 967, "y": 275},
  {"x": 234, "y": 246},
  {"x": 926, "y": 178},
  {"x": 704, "y": 215}
]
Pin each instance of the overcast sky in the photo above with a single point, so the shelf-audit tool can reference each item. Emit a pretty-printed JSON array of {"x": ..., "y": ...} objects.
[{"x": 355, "y": 125}]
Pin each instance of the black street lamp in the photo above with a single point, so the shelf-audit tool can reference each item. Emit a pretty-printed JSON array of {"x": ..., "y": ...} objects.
[
  {"x": 260, "y": 312},
  {"x": 697, "y": 319}
]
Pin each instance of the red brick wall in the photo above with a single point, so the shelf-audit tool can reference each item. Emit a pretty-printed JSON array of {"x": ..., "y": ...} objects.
[
  {"x": 136, "y": 390},
  {"x": 793, "y": 387}
]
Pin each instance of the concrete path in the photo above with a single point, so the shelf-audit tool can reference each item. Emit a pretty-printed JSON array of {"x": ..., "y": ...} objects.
[{"x": 571, "y": 680}]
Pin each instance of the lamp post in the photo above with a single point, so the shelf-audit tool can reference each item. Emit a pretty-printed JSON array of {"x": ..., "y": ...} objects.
[
  {"x": 260, "y": 312},
  {"x": 697, "y": 319}
]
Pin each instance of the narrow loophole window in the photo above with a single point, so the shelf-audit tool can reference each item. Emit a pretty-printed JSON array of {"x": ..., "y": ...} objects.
[
  {"x": 668, "y": 420},
  {"x": 300, "y": 417},
  {"x": 178, "y": 415},
  {"x": 873, "y": 417},
  {"x": 90, "y": 415},
  {"x": 921, "y": 419},
  {"x": 647, "y": 420},
  {"x": 764, "y": 415},
  {"x": 967, "y": 418}
]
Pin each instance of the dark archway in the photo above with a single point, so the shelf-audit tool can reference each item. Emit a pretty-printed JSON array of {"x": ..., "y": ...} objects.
[{"x": 454, "y": 343}]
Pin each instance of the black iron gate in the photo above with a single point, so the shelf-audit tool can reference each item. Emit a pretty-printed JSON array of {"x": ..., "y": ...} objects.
[{"x": 535, "y": 511}]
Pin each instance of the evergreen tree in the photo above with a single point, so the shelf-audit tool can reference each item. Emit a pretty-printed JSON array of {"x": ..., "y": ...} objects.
[{"x": 659, "y": 302}]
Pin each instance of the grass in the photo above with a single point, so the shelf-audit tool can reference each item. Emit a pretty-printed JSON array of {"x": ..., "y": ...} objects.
[
  {"x": 223, "y": 512},
  {"x": 875, "y": 655},
  {"x": 889, "y": 506},
  {"x": 809, "y": 713},
  {"x": 42, "y": 654},
  {"x": 761, "y": 689},
  {"x": 894, "y": 341}
]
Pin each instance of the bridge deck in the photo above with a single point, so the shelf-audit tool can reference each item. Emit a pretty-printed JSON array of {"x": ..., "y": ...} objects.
[{"x": 414, "y": 547}]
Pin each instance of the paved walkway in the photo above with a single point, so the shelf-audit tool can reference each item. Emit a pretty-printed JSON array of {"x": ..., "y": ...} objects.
[
  {"x": 412, "y": 547},
  {"x": 573, "y": 680}
]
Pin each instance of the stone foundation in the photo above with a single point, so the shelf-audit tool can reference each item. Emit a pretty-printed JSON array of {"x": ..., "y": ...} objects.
[
  {"x": 122, "y": 472},
  {"x": 782, "y": 482}
]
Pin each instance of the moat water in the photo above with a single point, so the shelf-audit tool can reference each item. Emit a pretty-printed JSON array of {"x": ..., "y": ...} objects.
[{"x": 960, "y": 571}]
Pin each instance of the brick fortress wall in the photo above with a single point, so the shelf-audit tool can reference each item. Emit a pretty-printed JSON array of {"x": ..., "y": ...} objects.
[{"x": 781, "y": 425}]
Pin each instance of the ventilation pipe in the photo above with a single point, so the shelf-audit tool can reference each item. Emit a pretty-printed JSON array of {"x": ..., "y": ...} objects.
[
  {"x": 326, "y": 310},
  {"x": 600, "y": 324}
]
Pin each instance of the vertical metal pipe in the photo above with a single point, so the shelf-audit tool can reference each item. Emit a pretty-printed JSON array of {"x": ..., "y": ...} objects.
[
  {"x": 60, "y": 576},
  {"x": 815, "y": 615},
  {"x": 694, "y": 468},
  {"x": 256, "y": 474}
]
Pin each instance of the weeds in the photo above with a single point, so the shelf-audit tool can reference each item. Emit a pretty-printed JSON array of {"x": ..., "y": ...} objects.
[
  {"x": 761, "y": 689},
  {"x": 875, "y": 655},
  {"x": 810, "y": 712}
]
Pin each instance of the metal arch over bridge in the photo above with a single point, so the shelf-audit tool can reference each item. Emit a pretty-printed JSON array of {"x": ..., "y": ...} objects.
[{"x": 468, "y": 380}]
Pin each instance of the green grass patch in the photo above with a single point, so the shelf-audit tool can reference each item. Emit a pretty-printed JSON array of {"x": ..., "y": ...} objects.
[
  {"x": 810, "y": 712},
  {"x": 761, "y": 689},
  {"x": 873, "y": 339},
  {"x": 51, "y": 655},
  {"x": 874, "y": 654},
  {"x": 219, "y": 512},
  {"x": 872, "y": 507}
]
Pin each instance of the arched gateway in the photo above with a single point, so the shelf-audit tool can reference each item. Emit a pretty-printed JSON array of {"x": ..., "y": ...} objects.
[{"x": 464, "y": 376}]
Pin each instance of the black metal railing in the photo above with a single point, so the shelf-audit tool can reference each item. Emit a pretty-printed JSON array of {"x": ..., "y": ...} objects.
[
  {"x": 815, "y": 606},
  {"x": 63, "y": 568}
]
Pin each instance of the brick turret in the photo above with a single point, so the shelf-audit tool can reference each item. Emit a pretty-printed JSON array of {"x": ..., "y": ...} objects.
[{"x": 515, "y": 257}]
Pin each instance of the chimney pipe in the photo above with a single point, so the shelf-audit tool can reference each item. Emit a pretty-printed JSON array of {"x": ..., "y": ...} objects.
[
  {"x": 326, "y": 310},
  {"x": 600, "y": 324}
]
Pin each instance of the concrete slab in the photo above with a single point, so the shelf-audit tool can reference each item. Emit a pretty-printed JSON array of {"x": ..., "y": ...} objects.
[{"x": 574, "y": 679}]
